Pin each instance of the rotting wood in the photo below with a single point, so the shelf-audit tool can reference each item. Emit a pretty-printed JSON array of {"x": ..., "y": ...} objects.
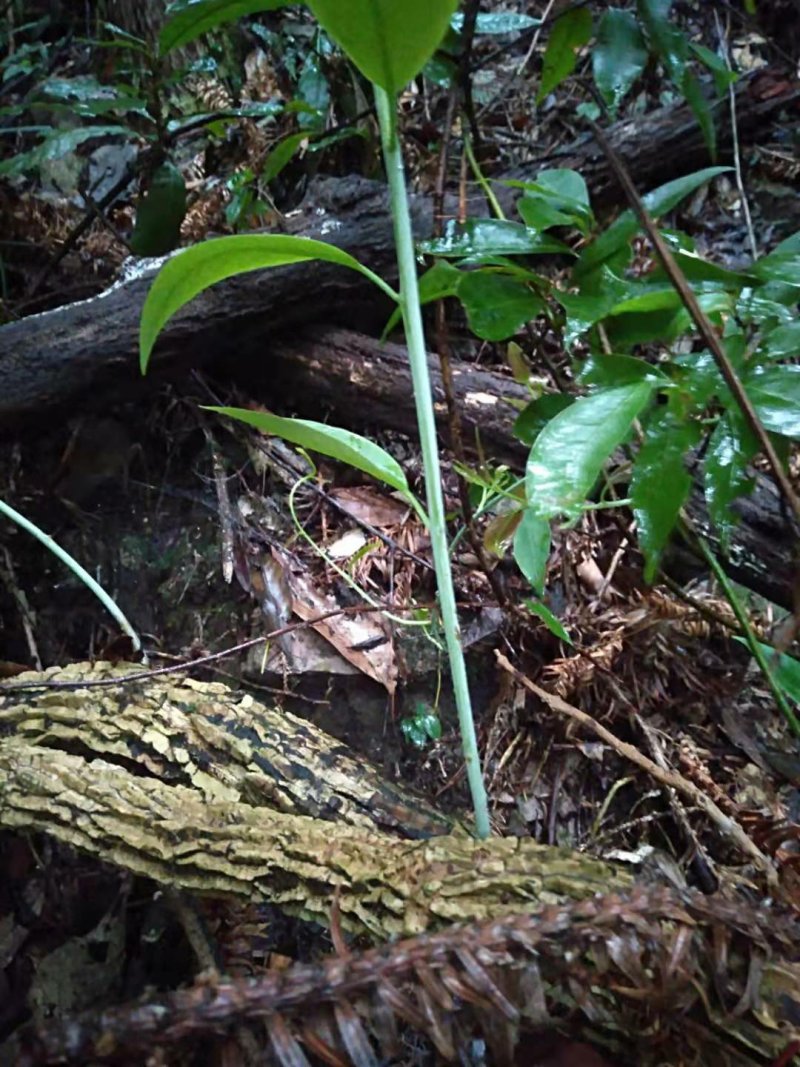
[
  {"x": 177, "y": 834},
  {"x": 50, "y": 358},
  {"x": 224, "y": 744}
]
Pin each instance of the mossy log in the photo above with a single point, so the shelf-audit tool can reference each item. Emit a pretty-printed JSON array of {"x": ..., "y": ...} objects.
[{"x": 166, "y": 779}]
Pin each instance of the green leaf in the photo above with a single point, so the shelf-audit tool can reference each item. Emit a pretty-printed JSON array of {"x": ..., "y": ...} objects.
[
  {"x": 282, "y": 154},
  {"x": 775, "y": 394},
  {"x": 440, "y": 281},
  {"x": 59, "y": 143},
  {"x": 159, "y": 213},
  {"x": 196, "y": 17},
  {"x": 568, "y": 454},
  {"x": 731, "y": 447},
  {"x": 779, "y": 266},
  {"x": 666, "y": 39},
  {"x": 723, "y": 77},
  {"x": 389, "y": 42},
  {"x": 554, "y": 625},
  {"x": 701, "y": 109},
  {"x": 498, "y": 23},
  {"x": 342, "y": 445},
  {"x": 532, "y": 548},
  {"x": 619, "y": 56},
  {"x": 497, "y": 306},
  {"x": 490, "y": 237},
  {"x": 611, "y": 370},
  {"x": 660, "y": 485},
  {"x": 532, "y": 419},
  {"x": 781, "y": 343},
  {"x": 658, "y": 203},
  {"x": 564, "y": 189},
  {"x": 199, "y": 267},
  {"x": 570, "y": 33},
  {"x": 785, "y": 668}
]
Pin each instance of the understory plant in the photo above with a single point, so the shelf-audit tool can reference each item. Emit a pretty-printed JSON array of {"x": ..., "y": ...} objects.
[{"x": 389, "y": 43}]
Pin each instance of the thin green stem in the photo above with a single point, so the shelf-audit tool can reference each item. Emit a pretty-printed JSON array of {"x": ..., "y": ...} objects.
[
  {"x": 750, "y": 638},
  {"x": 76, "y": 569},
  {"x": 423, "y": 396}
]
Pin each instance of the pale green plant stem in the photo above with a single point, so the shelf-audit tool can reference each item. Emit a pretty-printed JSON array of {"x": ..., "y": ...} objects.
[
  {"x": 750, "y": 638},
  {"x": 76, "y": 569},
  {"x": 423, "y": 397}
]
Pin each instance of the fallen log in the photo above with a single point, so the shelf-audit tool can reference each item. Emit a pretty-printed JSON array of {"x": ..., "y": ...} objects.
[
  {"x": 556, "y": 937},
  {"x": 366, "y": 384},
  {"x": 49, "y": 359}
]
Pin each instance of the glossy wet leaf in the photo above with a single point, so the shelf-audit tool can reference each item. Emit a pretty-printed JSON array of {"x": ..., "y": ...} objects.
[
  {"x": 389, "y": 42},
  {"x": 781, "y": 343},
  {"x": 660, "y": 485},
  {"x": 568, "y": 454},
  {"x": 658, "y": 202},
  {"x": 775, "y": 394},
  {"x": 57, "y": 144},
  {"x": 666, "y": 38},
  {"x": 203, "y": 265},
  {"x": 532, "y": 548},
  {"x": 440, "y": 281},
  {"x": 780, "y": 266},
  {"x": 331, "y": 441},
  {"x": 619, "y": 55},
  {"x": 725, "y": 474},
  {"x": 570, "y": 33},
  {"x": 498, "y": 22},
  {"x": 497, "y": 306},
  {"x": 701, "y": 109},
  {"x": 490, "y": 237},
  {"x": 532, "y": 419},
  {"x": 159, "y": 213},
  {"x": 613, "y": 369},
  {"x": 196, "y": 17}
]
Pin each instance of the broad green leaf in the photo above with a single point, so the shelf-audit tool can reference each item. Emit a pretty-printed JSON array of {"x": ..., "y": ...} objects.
[
  {"x": 612, "y": 369},
  {"x": 781, "y": 343},
  {"x": 660, "y": 485},
  {"x": 553, "y": 624},
  {"x": 498, "y": 23},
  {"x": 540, "y": 214},
  {"x": 196, "y": 17},
  {"x": 532, "y": 549},
  {"x": 389, "y": 42},
  {"x": 570, "y": 33},
  {"x": 698, "y": 269},
  {"x": 585, "y": 309},
  {"x": 785, "y": 668},
  {"x": 666, "y": 39},
  {"x": 760, "y": 307},
  {"x": 435, "y": 284},
  {"x": 532, "y": 419},
  {"x": 497, "y": 306},
  {"x": 568, "y": 454},
  {"x": 779, "y": 266},
  {"x": 619, "y": 56},
  {"x": 199, "y": 267},
  {"x": 724, "y": 78},
  {"x": 160, "y": 213},
  {"x": 775, "y": 394},
  {"x": 342, "y": 445},
  {"x": 282, "y": 153},
  {"x": 565, "y": 189},
  {"x": 665, "y": 324},
  {"x": 658, "y": 203},
  {"x": 490, "y": 237},
  {"x": 730, "y": 449}
]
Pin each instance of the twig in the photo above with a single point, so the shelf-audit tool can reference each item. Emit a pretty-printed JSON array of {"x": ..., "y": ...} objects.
[
  {"x": 671, "y": 779},
  {"x": 737, "y": 159}
]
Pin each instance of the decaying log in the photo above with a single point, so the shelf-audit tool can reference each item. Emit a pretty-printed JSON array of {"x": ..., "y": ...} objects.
[
  {"x": 183, "y": 836},
  {"x": 225, "y": 745},
  {"x": 49, "y": 359},
  {"x": 366, "y": 385}
]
